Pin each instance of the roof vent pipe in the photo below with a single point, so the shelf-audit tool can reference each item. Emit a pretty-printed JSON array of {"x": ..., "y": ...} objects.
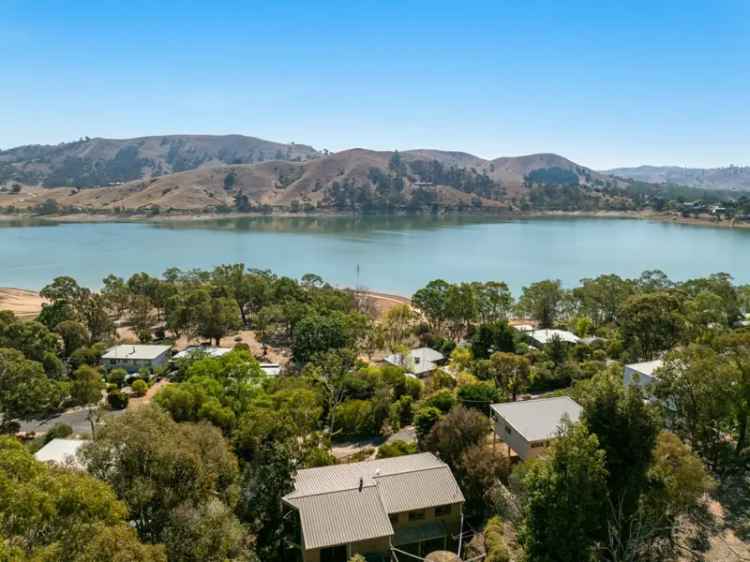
[{"x": 361, "y": 483}]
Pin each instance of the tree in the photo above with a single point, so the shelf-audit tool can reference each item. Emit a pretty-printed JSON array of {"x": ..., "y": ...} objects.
[
  {"x": 318, "y": 333},
  {"x": 86, "y": 390},
  {"x": 479, "y": 395},
  {"x": 25, "y": 391},
  {"x": 541, "y": 301},
  {"x": 696, "y": 387},
  {"x": 425, "y": 419},
  {"x": 480, "y": 469},
  {"x": 216, "y": 317},
  {"x": 455, "y": 432},
  {"x": 494, "y": 301},
  {"x": 432, "y": 300},
  {"x": 74, "y": 336},
  {"x": 492, "y": 337},
  {"x": 651, "y": 322},
  {"x": 510, "y": 371},
  {"x": 33, "y": 339},
  {"x": 565, "y": 495},
  {"x": 157, "y": 466},
  {"x": 329, "y": 371},
  {"x": 49, "y": 513},
  {"x": 602, "y": 297},
  {"x": 398, "y": 324}
]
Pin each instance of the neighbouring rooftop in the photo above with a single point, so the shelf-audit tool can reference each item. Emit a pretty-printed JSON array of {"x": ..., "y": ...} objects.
[
  {"x": 546, "y": 336},
  {"x": 61, "y": 451},
  {"x": 646, "y": 367},
  {"x": 207, "y": 350},
  {"x": 136, "y": 352},
  {"x": 418, "y": 361},
  {"x": 540, "y": 419}
]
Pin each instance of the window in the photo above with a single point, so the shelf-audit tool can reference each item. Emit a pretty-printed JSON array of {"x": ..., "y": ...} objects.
[
  {"x": 443, "y": 510},
  {"x": 416, "y": 515},
  {"x": 508, "y": 429}
]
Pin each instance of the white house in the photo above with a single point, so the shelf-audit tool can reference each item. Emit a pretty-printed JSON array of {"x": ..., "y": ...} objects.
[
  {"x": 271, "y": 369},
  {"x": 541, "y": 338},
  {"x": 62, "y": 452},
  {"x": 135, "y": 357},
  {"x": 420, "y": 362},
  {"x": 527, "y": 427},
  {"x": 202, "y": 349},
  {"x": 642, "y": 374}
]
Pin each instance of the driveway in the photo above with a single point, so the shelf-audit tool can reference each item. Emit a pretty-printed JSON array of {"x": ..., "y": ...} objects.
[{"x": 75, "y": 418}]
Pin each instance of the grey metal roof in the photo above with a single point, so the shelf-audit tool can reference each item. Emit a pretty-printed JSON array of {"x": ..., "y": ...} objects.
[
  {"x": 342, "y": 517},
  {"x": 538, "y": 419},
  {"x": 136, "y": 352},
  {"x": 334, "y": 510},
  {"x": 646, "y": 367},
  {"x": 61, "y": 451},
  {"x": 419, "y": 361},
  {"x": 198, "y": 349},
  {"x": 546, "y": 336},
  {"x": 419, "y": 489}
]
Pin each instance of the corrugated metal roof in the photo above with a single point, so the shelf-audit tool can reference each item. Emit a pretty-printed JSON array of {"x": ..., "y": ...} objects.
[
  {"x": 143, "y": 352},
  {"x": 419, "y": 489},
  {"x": 333, "y": 510},
  {"x": 346, "y": 476},
  {"x": 342, "y": 517},
  {"x": 61, "y": 451},
  {"x": 546, "y": 336},
  {"x": 538, "y": 419},
  {"x": 646, "y": 367}
]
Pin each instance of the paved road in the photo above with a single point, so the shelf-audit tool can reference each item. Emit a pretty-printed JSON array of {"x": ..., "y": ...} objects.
[{"x": 74, "y": 418}]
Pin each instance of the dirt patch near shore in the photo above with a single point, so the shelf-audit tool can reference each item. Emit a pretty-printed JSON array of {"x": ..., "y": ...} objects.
[{"x": 24, "y": 304}]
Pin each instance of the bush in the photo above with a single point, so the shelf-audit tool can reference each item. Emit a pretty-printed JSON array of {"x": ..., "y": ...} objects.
[
  {"x": 354, "y": 418},
  {"x": 494, "y": 540},
  {"x": 396, "y": 448},
  {"x": 139, "y": 387},
  {"x": 117, "y": 377},
  {"x": 117, "y": 400},
  {"x": 443, "y": 400},
  {"x": 479, "y": 395},
  {"x": 58, "y": 431},
  {"x": 424, "y": 418}
]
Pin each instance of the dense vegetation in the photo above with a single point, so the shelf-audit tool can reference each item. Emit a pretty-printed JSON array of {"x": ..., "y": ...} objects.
[{"x": 199, "y": 472}]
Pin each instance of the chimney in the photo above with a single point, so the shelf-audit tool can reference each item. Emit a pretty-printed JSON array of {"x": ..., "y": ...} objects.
[{"x": 361, "y": 483}]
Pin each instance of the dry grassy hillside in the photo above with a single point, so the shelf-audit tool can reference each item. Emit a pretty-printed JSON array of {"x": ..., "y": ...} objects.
[{"x": 355, "y": 179}]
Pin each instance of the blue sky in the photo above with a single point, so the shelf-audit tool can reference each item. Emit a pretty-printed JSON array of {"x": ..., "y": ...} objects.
[{"x": 604, "y": 83}]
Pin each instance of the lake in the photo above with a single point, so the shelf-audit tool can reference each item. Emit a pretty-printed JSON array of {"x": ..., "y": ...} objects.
[{"x": 394, "y": 254}]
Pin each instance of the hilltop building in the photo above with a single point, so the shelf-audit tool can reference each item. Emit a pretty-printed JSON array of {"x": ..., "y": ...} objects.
[
  {"x": 528, "y": 427},
  {"x": 412, "y": 503}
]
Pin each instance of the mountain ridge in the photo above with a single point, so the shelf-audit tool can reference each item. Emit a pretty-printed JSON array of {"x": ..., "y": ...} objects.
[{"x": 736, "y": 178}]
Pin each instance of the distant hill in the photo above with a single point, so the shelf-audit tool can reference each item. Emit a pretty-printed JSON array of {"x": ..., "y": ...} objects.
[
  {"x": 102, "y": 162},
  {"x": 735, "y": 178},
  {"x": 356, "y": 179}
]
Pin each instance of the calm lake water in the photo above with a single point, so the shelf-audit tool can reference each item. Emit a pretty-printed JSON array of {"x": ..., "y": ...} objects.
[{"x": 394, "y": 254}]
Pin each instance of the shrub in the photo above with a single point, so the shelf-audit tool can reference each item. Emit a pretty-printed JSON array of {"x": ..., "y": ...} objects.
[
  {"x": 139, "y": 387},
  {"x": 443, "y": 400},
  {"x": 396, "y": 448},
  {"x": 117, "y": 400},
  {"x": 424, "y": 418},
  {"x": 355, "y": 418},
  {"x": 479, "y": 395},
  {"x": 117, "y": 377},
  {"x": 494, "y": 540}
]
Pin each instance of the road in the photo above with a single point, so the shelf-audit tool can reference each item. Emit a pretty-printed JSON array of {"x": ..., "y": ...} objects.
[{"x": 74, "y": 418}]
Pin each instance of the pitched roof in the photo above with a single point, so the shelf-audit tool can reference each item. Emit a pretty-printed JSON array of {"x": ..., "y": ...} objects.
[
  {"x": 334, "y": 510},
  {"x": 646, "y": 367},
  {"x": 421, "y": 360},
  {"x": 207, "y": 350},
  {"x": 538, "y": 419},
  {"x": 341, "y": 517},
  {"x": 61, "y": 451},
  {"x": 545, "y": 336},
  {"x": 136, "y": 352}
]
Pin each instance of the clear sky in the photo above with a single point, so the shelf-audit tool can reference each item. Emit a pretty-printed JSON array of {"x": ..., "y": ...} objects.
[{"x": 605, "y": 83}]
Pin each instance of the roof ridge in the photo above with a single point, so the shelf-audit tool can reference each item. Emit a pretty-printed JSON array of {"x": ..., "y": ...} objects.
[
  {"x": 292, "y": 496},
  {"x": 534, "y": 400},
  {"x": 422, "y": 469}
]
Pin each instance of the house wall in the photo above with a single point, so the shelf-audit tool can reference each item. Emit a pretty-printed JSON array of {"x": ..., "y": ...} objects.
[{"x": 506, "y": 433}]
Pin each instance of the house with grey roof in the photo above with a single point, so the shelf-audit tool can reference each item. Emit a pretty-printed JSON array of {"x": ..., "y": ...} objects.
[
  {"x": 528, "y": 427},
  {"x": 419, "y": 362},
  {"x": 132, "y": 358},
  {"x": 62, "y": 452},
  {"x": 540, "y": 338},
  {"x": 641, "y": 374},
  {"x": 412, "y": 503}
]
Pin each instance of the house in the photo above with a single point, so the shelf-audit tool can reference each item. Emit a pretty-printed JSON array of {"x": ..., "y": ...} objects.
[
  {"x": 540, "y": 338},
  {"x": 271, "y": 369},
  {"x": 202, "y": 349},
  {"x": 527, "y": 427},
  {"x": 642, "y": 374},
  {"x": 411, "y": 503},
  {"x": 62, "y": 452},
  {"x": 420, "y": 362},
  {"x": 132, "y": 358}
]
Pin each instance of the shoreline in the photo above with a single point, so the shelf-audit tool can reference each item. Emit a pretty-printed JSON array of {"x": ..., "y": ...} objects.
[{"x": 31, "y": 220}]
